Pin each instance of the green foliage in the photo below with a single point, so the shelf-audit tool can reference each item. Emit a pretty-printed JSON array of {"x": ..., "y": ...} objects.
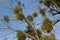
[
  {"x": 42, "y": 12},
  {"x": 20, "y": 36},
  {"x": 30, "y": 18},
  {"x": 46, "y": 25},
  {"x": 35, "y": 14}
]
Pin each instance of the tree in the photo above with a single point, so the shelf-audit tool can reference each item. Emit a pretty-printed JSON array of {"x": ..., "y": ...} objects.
[{"x": 51, "y": 6}]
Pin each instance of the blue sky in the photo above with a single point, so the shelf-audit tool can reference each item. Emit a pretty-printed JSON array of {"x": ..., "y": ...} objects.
[{"x": 30, "y": 7}]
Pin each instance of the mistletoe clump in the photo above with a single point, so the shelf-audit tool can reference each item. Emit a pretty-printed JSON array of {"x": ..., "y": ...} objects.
[
  {"x": 20, "y": 36},
  {"x": 42, "y": 12},
  {"x": 47, "y": 37},
  {"x": 46, "y": 25},
  {"x": 6, "y": 18},
  {"x": 34, "y": 14},
  {"x": 17, "y": 10}
]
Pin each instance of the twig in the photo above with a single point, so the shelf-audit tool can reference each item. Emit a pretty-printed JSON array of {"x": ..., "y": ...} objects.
[
  {"x": 22, "y": 32},
  {"x": 8, "y": 27},
  {"x": 26, "y": 34},
  {"x": 55, "y": 5},
  {"x": 33, "y": 27},
  {"x": 6, "y": 4},
  {"x": 56, "y": 21},
  {"x": 10, "y": 19},
  {"x": 6, "y": 35}
]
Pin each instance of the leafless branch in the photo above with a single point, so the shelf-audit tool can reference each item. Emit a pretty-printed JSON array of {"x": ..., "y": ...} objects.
[
  {"x": 29, "y": 35},
  {"x": 28, "y": 22},
  {"x": 10, "y": 19},
  {"x": 8, "y": 27},
  {"x": 55, "y": 4},
  {"x": 33, "y": 27},
  {"x": 56, "y": 21},
  {"x": 6, "y": 35},
  {"x": 6, "y": 4}
]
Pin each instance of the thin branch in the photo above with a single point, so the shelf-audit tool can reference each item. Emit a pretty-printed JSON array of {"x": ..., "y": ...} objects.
[
  {"x": 22, "y": 32},
  {"x": 27, "y": 34},
  {"x": 55, "y": 5},
  {"x": 52, "y": 11},
  {"x": 3, "y": 28},
  {"x": 8, "y": 26},
  {"x": 56, "y": 21},
  {"x": 6, "y": 4},
  {"x": 32, "y": 25},
  {"x": 28, "y": 22},
  {"x": 5, "y": 35},
  {"x": 10, "y": 19}
]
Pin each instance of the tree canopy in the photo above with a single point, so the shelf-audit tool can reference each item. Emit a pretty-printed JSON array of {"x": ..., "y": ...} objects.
[{"x": 46, "y": 26}]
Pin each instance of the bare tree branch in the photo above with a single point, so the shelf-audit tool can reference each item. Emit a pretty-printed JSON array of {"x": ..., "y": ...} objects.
[
  {"x": 56, "y": 21},
  {"x": 33, "y": 27},
  {"x": 55, "y": 4},
  {"x": 6, "y": 4},
  {"x": 52, "y": 11},
  {"x": 28, "y": 22},
  {"x": 10, "y": 19},
  {"x": 6, "y": 35},
  {"x": 8, "y": 27}
]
